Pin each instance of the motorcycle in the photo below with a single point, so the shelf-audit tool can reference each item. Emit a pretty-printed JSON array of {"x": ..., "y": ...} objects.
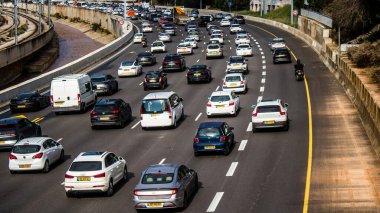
[
  {"x": 144, "y": 43},
  {"x": 299, "y": 75}
]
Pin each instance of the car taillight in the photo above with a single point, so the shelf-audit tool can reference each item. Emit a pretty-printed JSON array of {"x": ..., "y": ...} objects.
[
  {"x": 145, "y": 80},
  {"x": 174, "y": 191},
  {"x": 12, "y": 157},
  {"x": 141, "y": 110},
  {"x": 177, "y": 62},
  {"x": 115, "y": 111},
  {"x": 164, "y": 62},
  {"x": 78, "y": 97},
  {"x": 224, "y": 138},
  {"x": 254, "y": 114},
  {"x": 208, "y": 105},
  {"x": 196, "y": 140},
  {"x": 69, "y": 176},
  {"x": 281, "y": 112},
  {"x": 231, "y": 103},
  {"x": 241, "y": 82},
  {"x": 94, "y": 113},
  {"x": 135, "y": 192},
  {"x": 101, "y": 175},
  {"x": 224, "y": 83},
  {"x": 37, "y": 156},
  {"x": 51, "y": 99},
  {"x": 160, "y": 79}
]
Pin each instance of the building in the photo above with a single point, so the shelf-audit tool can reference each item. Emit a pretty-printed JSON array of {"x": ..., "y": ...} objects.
[{"x": 255, "y": 5}]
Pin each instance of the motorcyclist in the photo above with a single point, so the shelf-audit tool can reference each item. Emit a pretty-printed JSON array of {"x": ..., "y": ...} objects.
[
  {"x": 298, "y": 65},
  {"x": 143, "y": 42}
]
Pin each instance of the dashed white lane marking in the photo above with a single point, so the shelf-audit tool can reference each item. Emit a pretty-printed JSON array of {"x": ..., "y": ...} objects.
[
  {"x": 4, "y": 111},
  {"x": 260, "y": 49},
  {"x": 162, "y": 161},
  {"x": 204, "y": 42},
  {"x": 263, "y": 56},
  {"x": 59, "y": 139},
  {"x": 263, "y": 81},
  {"x": 230, "y": 48},
  {"x": 214, "y": 203},
  {"x": 134, "y": 126},
  {"x": 203, "y": 51},
  {"x": 258, "y": 45},
  {"x": 264, "y": 67},
  {"x": 264, "y": 62},
  {"x": 232, "y": 169},
  {"x": 141, "y": 83},
  {"x": 229, "y": 41},
  {"x": 254, "y": 39},
  {"x": 182, "y": 34},
  {"x": 256, "y": 42},
  {"x": 264, "y": 73},
  {"x": 204, "y": 37},
  {"x": 262, "y": 89},
  {"x": 197, "y": 60},
  {"x": 198, "y": 117},
  {"x": 242, "y": 145},
  {"x": 262, "y": 53},
  {"x": 217, "y": 88},
  {"x": 249, "y": 128},
  {"x": 259, "y": 99}
]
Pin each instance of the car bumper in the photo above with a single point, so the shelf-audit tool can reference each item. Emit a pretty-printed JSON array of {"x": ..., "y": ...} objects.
[
  {"x": 244, "y": 53},
  {"x": 149, "y": 62},
  {"x": 86, "y": 187},
  {"x": 263, "y": 125},
  {"x": 198, "y": 79},
  {"x": 174, "y": 67},
  {"x": 214, "y": 55},
  {"x": 151, "y": 84},
  {"x": 209, "y": 147},
  {"x": 235, "y": 89},
  {"x": 22, "y": 106},
  {"x": 102, "y": 90},
  {"x": 157, "y": 50},
  {"x": 127, "y": 73},
  {"x": 172, "y": 202},
  {"x": 7, "y": 143},
  {"x": 33, "y": 165},
  {"x": 66, "y": 109},
  {"x": 230, "y": 110}
]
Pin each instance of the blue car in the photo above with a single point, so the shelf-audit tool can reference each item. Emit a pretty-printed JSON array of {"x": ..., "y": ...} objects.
[{"x": 213, "y": 137}]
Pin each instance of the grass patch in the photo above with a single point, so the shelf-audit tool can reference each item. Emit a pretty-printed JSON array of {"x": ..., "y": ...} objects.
[
  {"x": 97, "y": 27},
  {"x": 75, "y": 20}
]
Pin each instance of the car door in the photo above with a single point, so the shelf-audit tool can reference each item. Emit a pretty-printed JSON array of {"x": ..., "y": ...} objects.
[
  {"x": 227, "y": 130},
  {"x": 236, "y": 100},
  {"x": 27, "y": 128},
  {"x": 54, "y": 150},
  {"x": 185, "y": 179},
  {"x": 48, "y": 151},
  {"x": 112, "y": 166}
]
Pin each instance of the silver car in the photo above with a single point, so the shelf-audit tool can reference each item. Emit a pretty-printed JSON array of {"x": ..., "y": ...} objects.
[{"x": 165, "y": 186}]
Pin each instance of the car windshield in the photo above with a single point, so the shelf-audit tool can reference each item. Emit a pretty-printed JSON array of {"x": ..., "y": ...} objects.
[
  {"x": 154, "y": 106},
  {"x": 138, "y": 35},
  {"x": 281, "y": 52},
  {"x": 98, "y": 79},
  {"x": 183, "y": 45},
  {"x": 157, "y": 44},
  {"x": 26, "y": 149},
  {"x": 209, "y": 132},
  {"x": 243, "y": 46},
  {"x": 268, "y": 109},
  {"x": 233, "y": 78},
  {"x": 236, "y": 60},
  {"x": 157, "y": 178},
  {"x": 82, "y": 166},
  {"x": 242, "y": 36},
  {"x": 127, "y": 63},
  {"x": 220, "y": 98}
]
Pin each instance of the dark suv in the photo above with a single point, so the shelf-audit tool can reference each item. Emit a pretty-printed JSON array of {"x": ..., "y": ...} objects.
[
  {"x": 155, "y": 79},
  {"x": 110, "y": 113},
  {"x": 29, "y": 101},
  {"x": 281, "y": 54},
  {"x": 174, "y": 62},
  {"x": 104, "y": 83},
  {"x": 15, "y": 129},
  {"x": 146, "y": 58},
  {"x": 238, "y": 19},
  {"x": 198, "y": 73}
]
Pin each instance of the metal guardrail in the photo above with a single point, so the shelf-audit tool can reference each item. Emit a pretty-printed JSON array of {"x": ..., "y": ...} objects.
[{"x": 318, "y": 17}]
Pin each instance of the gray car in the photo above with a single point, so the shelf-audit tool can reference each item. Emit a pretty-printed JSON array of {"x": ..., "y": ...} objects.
[{"x": 165, "y": 186}]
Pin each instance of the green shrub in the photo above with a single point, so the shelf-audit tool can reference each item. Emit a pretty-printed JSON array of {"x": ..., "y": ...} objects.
[
  {"x": 75, "y": 20},
  {"x": 57, "y": 15},
  {"x": 365, "y": 55},
  {"x": 95, "y": 27}
]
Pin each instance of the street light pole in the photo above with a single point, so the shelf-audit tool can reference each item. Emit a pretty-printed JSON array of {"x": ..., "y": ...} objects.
[
  {"x": 49, "y": 10},
  {"x": 39, "y": 17},
  {"x": 125, "y": 9},
  {"x": 261, "y": 8},
  {"x": 291, "y": 12},
  {"x": 200, "y": 6},
  {"x": 15, "y": 21}
]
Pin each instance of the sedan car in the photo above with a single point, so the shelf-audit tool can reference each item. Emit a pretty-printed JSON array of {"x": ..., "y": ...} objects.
[
  {"x": 146, "y": 58},
  {"x": 158, "y": 46},
  {"x": 169, "y": 28},
  {"x": 199, "y": 73},
  {"x": 147, "y": 29},
  {"x": 173, "y": 62},
  {"x": 111, "y": 112},
  {"x": 270, "y": 114},
  {"x": 238, "y": 19},
  {"x": 29, "y": 101},
  {"x": 129, "y": 68},
  {"x": 185, "y": 48},
  {"x": 281, "y": 54},
  {"x": 165, "y": 37},
  {"x": 138, "y": 38},
  {"x": 244, "y": 50},
  {"x": 104, "y": 83},
  {"x": 165, "y": 186},
  {"x": 223, "y": 103},
  {"x": 235, "y": 82},
  {"x": 234, "y": 28},
  {"x": 277, "y": 43},
  {"x": 225, "y": 23},
  {"x": 194, "y": 35},
  {"x": 36, "y": 153},
  {"x": 95, "y": 172},
  {"x": 217, "y": 37},
  {"x": 237, "y": 64},
  {"x": 192, "y": 41},
  {"x": 155, "y": 79},
  {"x": 214, "y": 51},
  {"x": 242, "y": 39},
  {"x": 213, "y": 137}
]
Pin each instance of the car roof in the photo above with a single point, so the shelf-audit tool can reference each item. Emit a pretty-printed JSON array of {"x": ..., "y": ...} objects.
[
  {"x": 158, "y": 95},
  {"x": 211, "y": 124},
  {"x": 218, "y": 93},
  {"x": 98, "y": 75},
  {"x": 268, "y": 102},
  {"x": 90, "y": 156},
  {"x": 11, "y": 120},
  {"x": 32, "y": 141},
  {"x": 234, "y": 74},
  {"x": 165, "y": 168}
]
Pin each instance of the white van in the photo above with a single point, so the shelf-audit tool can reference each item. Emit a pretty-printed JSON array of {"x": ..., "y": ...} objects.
[
  {"x": 73, "y": 92},
  {"x": 161, "y": 109}
]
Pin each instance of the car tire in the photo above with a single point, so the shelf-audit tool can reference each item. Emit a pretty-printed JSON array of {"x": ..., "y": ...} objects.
[
  {"x": 57, "y": 113},
  {"x": 125, "y": 175},
  {"x": 62, "y": 156},
  {"x": 185, "y": 202},
  {"x": 188, "y": 82},
  {"x": 254, "y": 130},
  {"x": 116, "y": 88},
  {"x": 286, "y": 127},
  {"x": 196, "y": 154},
  {"x": 162, "y": 86},
  {"x": 145, "y": 88},
  {"x": 69, "y": 194},
  {"x": 110, "y": 191},
  {"x": 227, "y": 150},
  {"x": 46, "y": 167},
  {"x": 175, "y": 123}
]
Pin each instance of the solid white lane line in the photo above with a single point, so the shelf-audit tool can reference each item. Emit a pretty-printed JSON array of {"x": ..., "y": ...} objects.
[
  {"x": 264, "y": 73},
  {"x": 217, "y": 88},
  {"x": 63, "y": 183},
  {"x": 198, "y": 117},
  {"x": 214, "y": 203},
  {"x": 141, "y": 83},
  {"x": 249, "y": 128},
  {"x": 162, "y": 161},
  {"x": 229, "y": 41},
  {"x": 232, "y": 169},
  {"x": 259, "y": 99},
  {"x": 262, "y": 89},
  {"x": 197, "y": 60},
  {"x": 263, "y": 56},
  {"x": 134, "y": 126},
  {"x": 263, "y": 81},
  {"x": 59, "y": 139},
  {"x": 242, "y": 145}
]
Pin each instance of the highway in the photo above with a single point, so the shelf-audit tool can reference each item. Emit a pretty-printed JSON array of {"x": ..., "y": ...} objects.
[{"x": 271, "y": 166}]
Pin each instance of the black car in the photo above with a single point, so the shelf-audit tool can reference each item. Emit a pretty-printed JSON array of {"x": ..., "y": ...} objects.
[
  {"x": 281, "y": 54},
  {"x": 29, "y": 101},
  {"x": 146, "y": 58},
  {"x": 174, "y": 62},
  {"x": 199, "y": 73},
  {"x": 169, "y": 28},
  {"x": 104, "y": 84},
  {"x": 210, "y": 29},
  {"x": 112, "y": 112},
  {"x": 207, "y": 18},
  {"x": 155, "y": 79},
  {"x": 15, "y": 129},
  {"x": 202, "y": 23},
  {"x": 238, "y": 19}
]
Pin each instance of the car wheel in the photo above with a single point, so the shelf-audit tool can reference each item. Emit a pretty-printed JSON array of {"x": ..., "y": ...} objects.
[
  {"x": 110, "y": 91},
  {"x": 109, "y": 192},
  {"x": 46, "y": 167},
  {"x": 185, "y": 201},
  {"x": 196, "y": 184},
  {"x": 286, "y": 127},
  {"x": 69, "y": 194},
  {"x": 188, "y": 82},
  {"x": 254, "y": 129},
  {"x": 116, "y": 88},
  {"x": 57, "y": 113},
  {"x": 175, "y": 123},
  {"x": 227, "y": 150},
  {"x": 209, "y": 79},
  {"x": 235, "y": 113},
  {"x": 145, "y": 88},
  {"x": 62, "y": 156},
  {"x": 162, "y": 86},
  {"x": 125, "y": 175}
]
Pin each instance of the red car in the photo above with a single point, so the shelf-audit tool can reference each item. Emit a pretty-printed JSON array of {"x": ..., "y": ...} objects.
[{"x": 162, "y": 21}]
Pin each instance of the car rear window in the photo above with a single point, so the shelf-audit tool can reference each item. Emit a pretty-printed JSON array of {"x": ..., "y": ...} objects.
[
  {"x": 236, "y": 60},
  {"x": 26, "y": 149},
  {"x": 171, "y": 58},
  {"x": 154, "y": 106},
  {"x": 268, "y": 109},
  {"x": 157, "y": 44},
  {"x": 98, "y": 79},
  {"x": 7, "y": 129},
  {"x": 209, "y": 132},
  {"x": 104, "y": 108},
  {"x": 281, "y": 52},
  {"x": 152, "y": 75},
  {"x": 213, "y": 47},
  {"x": 127, "y": 63},
  {"x": 157, "y": 178},
  {"x": 86, "y": 166},
  {"x": 220, "y": 98},
  {"x": 233, "y": 78}
]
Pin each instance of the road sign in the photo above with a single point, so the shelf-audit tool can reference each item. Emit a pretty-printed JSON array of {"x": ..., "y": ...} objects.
[
  {"x": 121, "y": 22},
  {"x": 295, "y": 12},
  {"x": 229, "y": 3}
]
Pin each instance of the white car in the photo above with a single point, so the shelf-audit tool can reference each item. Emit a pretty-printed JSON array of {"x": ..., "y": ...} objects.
[
  {"x": 277, "y": 43},
  {"x": 244, "y": 50},
  {"x": 222, "y": 103},
  {"x": 129, "y": 68},
  {"x": 214, "y": 51},
  {"x": 145, "y": 24},
  {"x": 147, "y": 29},
  {"x": 194, "y": 35},
  {"x": 237, "y": 64},
  {"x": 217, "y": 37},
  {"x": 270, "y": 114},
  {"x": 235, "y": 82},
  {"x": 192, "y": 41},
  {"x": 95, "y": 172},
  {"x": 138, "y": 38},
  {"x": 36, "y": 153},
  {"x": 242, "y": 39},
  {"x": 158, "y": 46},
  {"x": 234, "y": 28},
  {"x": 217, "y": 31},
  {"x": 184, "y": 48},
  {"x": 225, "y": 23},
  {"x": 227, "y": 16},
  {"x": 165, "y": 37}
]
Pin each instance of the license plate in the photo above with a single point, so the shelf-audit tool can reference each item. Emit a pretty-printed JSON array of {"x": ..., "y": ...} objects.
[
  {"x": 197, "y": 74},
  {"x": 155, "y": 204},
  {"x": 152, "y": 81},
  {"x": 219, "y": 106},
  {"x": 83, "y": 178},
  {"x": 24, "y": 165},
  {"x": 209, "y": 147},
  {"x": 233, "y": 85},
  {"x": 58, "y": 103},
  {"x": 154, "y": 115},
  {"x": 2, "y": 142},
  {"x": 104, "y": 118},
  {"x": 269, "y": 122},
  {"x": 144, "y": 59},
  {"x": 21, "y": 106},
  {"x": 281, "y": 55},
  {"x": 171, "y": 63},
  {"x": 235, "y": 65}
]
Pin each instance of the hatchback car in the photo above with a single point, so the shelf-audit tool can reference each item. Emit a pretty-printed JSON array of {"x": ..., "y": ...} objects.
[
  {"x": 214, "y": 51},
  {"x": 223, "y": 103},
  {"x": 213, "y": 137},
  {"x": 185, "y": 48},
  {"x": 36, "y": 153},
  {"x": 276, "y": 43},
  {"x": 234, "y": 28},
  {"x": 173, "y": 62},
  {"x": 270, "y": 114},
  {"x": 235, "y": 82},
  {"x": 191, "y": 41},
  {"x": 225, "y": 23},
  {"x": 281, "y": 55},
  {"x": 15, "y": 129},
  {"x": 146, "y": 58},
  {"x": 165, "y": 186},
  {"x": 165, "y": 37},
  {"x": 29, "y": 101},
  {"x": 104, "y": 83},
  {"x": 244, "y": 50},
  {"x": 111, "y": 112},
  {"x": 242, "y": 39},
  {"x": 237, "y": 64},
  {"x": 158, "y": 46},
  {"x": 155, "y": 79},
  {"x": 199, "y": 73},
  {"x": 138, "y": 38},
  {"x": 217, "y": 37},
  {"x": 129, "y": 68},
  {"x": 95, "y": 172}
]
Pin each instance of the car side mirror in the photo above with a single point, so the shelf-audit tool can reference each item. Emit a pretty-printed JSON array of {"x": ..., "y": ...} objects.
[
  {"x": 253, "y": 106},
  {"x": 120, "y": 158},
  {"x": 181, "y": 99},
  {"x": 286, "y": 104}
]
